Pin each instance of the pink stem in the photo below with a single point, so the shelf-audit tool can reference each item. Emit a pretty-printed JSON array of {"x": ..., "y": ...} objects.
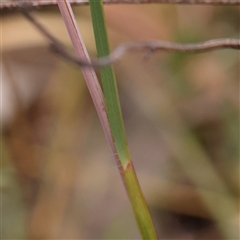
[{"x": 88, "y": 73}]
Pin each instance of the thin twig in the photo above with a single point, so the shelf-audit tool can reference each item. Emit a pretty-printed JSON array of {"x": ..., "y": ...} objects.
[
  {"x": 150, "y": 46},
  {"x": 12, "y": 4}
]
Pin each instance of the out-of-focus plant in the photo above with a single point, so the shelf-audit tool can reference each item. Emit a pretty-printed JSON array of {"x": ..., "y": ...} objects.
[{"x": 114, "y": 129}]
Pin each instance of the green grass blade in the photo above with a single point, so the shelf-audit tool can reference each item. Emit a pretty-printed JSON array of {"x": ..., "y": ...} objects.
[
  {"x": 109, "y": 84},
  {"x": 136, "y": 197}
]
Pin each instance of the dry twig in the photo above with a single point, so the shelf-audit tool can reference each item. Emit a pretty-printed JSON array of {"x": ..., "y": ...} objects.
[
  {"x": 150, "y": 46},
  {"x": 11, "y": 4}
]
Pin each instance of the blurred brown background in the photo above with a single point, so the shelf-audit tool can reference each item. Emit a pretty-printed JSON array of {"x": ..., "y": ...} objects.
[{"x": 181, "y": 112}]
